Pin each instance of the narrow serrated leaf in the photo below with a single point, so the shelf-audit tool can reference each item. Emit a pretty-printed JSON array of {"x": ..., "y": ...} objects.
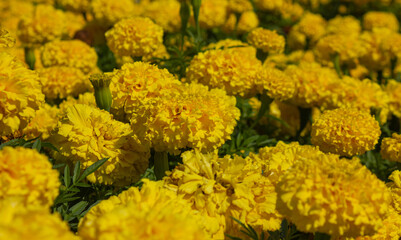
[
  {"x": 77, "y": 171},
  {"x": 49, "y": 145},
  {"x": 81, "y": 184},
  {"x": 92, "y": 168},
  {"x": 37, "y": 145},
  {"x": 67, "y": 177},
  {"x": 78, "y": 208}
]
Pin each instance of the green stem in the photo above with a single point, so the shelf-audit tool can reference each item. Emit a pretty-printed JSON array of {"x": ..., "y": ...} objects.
[
  {"x": 30, "y": 57},
  {"x": 265, "y": 100},
  {"x": 161, "y": 164},
  {"x": 336, "y": 62}
]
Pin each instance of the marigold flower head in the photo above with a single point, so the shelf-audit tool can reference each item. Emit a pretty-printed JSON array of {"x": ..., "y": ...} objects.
[
  {"x": 291, "y": 11},
  {"x": 247, "y": 21},
  {"x": 212, "y": 13},
  {"x": 45, "y": 25},
  {"x": 346, "y": 132},
  {"x": 289, "y": 114},
  {"x": 20, "y": 94},
  {"x": 395, "y": 188},
  {"x": 88, "y": 134},
  {"x": 390, "y": 148},
  {"x": 75, "y": 5},
  {"x": 234, "y": 45},
  {"x": 135, "y": 84},
  {"x": 165, "y": 13},
  {"x": 347, "y": 25},
  {"x": 223, "y": 187},
  {"x": 392, "y": 45},
  {"x": 336, "y": 196},
  {"x": 152, "y": 212},
  {"x": 43, "y": 123},
  {"x": 269, "y": 5},
  {"x": 108, "y": 12},
  {"x": 232, "y": 71},
  {"x": 314, "y": 83},
  {"x": 348, "y": 47},
  {"x": 311, "y": 26},
  {"x": 61, "y": 82},
  {"x": 188, "y": 117},
  {"x": 32, "y": 223},
  {"x": 76, "y": 22},
  {"x": 276, "y": 84},
  {"x": 87, "y": 98},
  {"x": 393, "y": 89},
  {"x": 239, "y": 6},
  {"x": 267, "y": 40},
  {"x": 6, "y": 40},
  {"x": 137, "y": 36},
  {"x": 374, "y": 19},
  {"x": 27, "y": 177},
  {"x": 376, "y": 58}
]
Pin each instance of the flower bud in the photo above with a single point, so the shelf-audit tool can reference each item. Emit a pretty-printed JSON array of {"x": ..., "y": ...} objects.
[{"x": 101, "y": 84}]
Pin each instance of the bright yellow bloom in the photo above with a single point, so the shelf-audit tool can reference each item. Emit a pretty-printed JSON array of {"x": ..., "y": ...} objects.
[
  {"x": 212, "y": 13},
  {"x": 27, "y": 176},
  {"x": 75, "y": 5},
  {"x": 19, "y": 223},
  {"x": 393, "y": 89},
  {"x": 233, "y": 71},
  {"x": 311, "y": 27},
  {"x": 390, "y": 148},
  {"x": 20, "y": 94},
  {"x": 395, "y": 188},
  {"x": 61, "y": 82},
  {"x": 374, "y": 19},
  {"x": 239, "y": 6},
  {"x": 108, "y": 12},
  {"x": 276, "y": 84},
  {"x": 347, "y": 25},
  {"x": 314, "y": 83},
  {"x": 45, "y": 120},
  {"x": 336, "y": 196},
  {"x": 348, "y": 47},
  {"x": 291, "y": 11},
  {"x": 6, "y": 40},
  {"x": 46, "y": 24},
  {"x": 70, "y": 53},
  {"x": 247, "y": 21},
  {"x": 269, "y": 5},
  {"x": 88, "y": 134},
  {"x": 392, "y": 44},
  {"x": 391, "y": 229},
  {"x": 151, "y": 213},
  {"x": 76, "y": 22},
  {"x": 234, "y": 45},
  {"x": 376, "y": 58},
  {"x": 85, "y": 98},
  {"x": 346, "y": 132},
  {"x": 189, "y": 117},
  {"x": 135, "y": 84},
  {"x": 165, "y": 13},
  {"x": 135, "y": 37},
  {"x": 267, "y": 40},
  {"x": 289, "y": 114},
  {"x": 222, "y": 187}
]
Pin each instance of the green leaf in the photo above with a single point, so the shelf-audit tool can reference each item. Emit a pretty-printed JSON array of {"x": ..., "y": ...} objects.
[
  {"x": 77, "y": 171},
  {"x": 37, "y": 145},
  {"x": 65, "y": 200},
  {"x": 13, "y": 143},
  {"x": 81, "y": 184},
  {"x": 67, "y": 177},
  {"x": 49, "y": 145},
  {"x": 92, "y": 168},
  {"x": 78, "y": 208}
]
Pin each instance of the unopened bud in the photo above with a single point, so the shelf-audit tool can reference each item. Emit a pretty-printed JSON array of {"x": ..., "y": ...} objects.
[{"x": 101, "y": 83}]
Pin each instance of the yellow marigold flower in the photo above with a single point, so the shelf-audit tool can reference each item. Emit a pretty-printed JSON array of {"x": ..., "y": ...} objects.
[
  {"x": 46, "y": 24},
  {"x": 395, "y": 188},
  {"x": 110, "y": 12},
  {"x": 311, "y": 26},
  {"x": 190, "y": 117},
  {"x": 75, "y": 5},
  {"x": 267, "y": 40},
  {"x": 239, "y": 6},
  {"x": 335, "y": 196},
  {"x": 359, "y": 72},
  {"x": 61, "y": 82},
  {"x": 20, "y": 96},
  {"x": 223, "y": 187},
  {"x": 137, "y": 36},
  {"x": 19, "y": 223},
  {"x": 85, "y": 98},
  {"x": 392, "y": 44},
  {"x": 70, "y": 53},
  {"x": 376, "y": 58},
  {"x": 289, "y": 114},
  {"x": 247, "y": 21},
  {"x": 44, "y": 122},
  {"x": 76, "y": 22},
  {"x": 282, "y": 61},
  {"x": 390, "y": 148},
  {"x": 27, "y": 176},
  {"x": 165, "y": 13},
  {"x": 348, "y": 47},
  {"x": 291, "y": 11},
  {"x": 160, "y": 52},
  {"x": 153, "y": 212},
  {"x": 88, "y": 134},
  {"x": 234, "y": 45},
  {"x": 233, "y": 71},
  {"x": 212, "y": 13},
  {"x": 269, "y": 5},
  {"x": 6, "y": 40},
  {"x": 393, "y": 89},
  {"x": 374, "y": 19},
  {"x": 314, "y": 83},
  {"x": 230, "y": 24},
  {"x": 276, "y": 84},
  {"x": 135, "y": 84},
  {"x": 346, "y": 132},
  {"x": 347, "y": 25}
]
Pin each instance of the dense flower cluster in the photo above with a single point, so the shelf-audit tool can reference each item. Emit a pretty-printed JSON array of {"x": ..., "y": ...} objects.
[
  {"x": 43, "y": 123},
  {"x": 346, "y": 132},
  {"x": 134, "y": 37},
  {"x": 109, "y": 12},
  {"x": 391, "y": 148},
  {"x": 87, "y": 134},
  {"x": 27, "y": 177},
  {"x": 268, "y": 41}
]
